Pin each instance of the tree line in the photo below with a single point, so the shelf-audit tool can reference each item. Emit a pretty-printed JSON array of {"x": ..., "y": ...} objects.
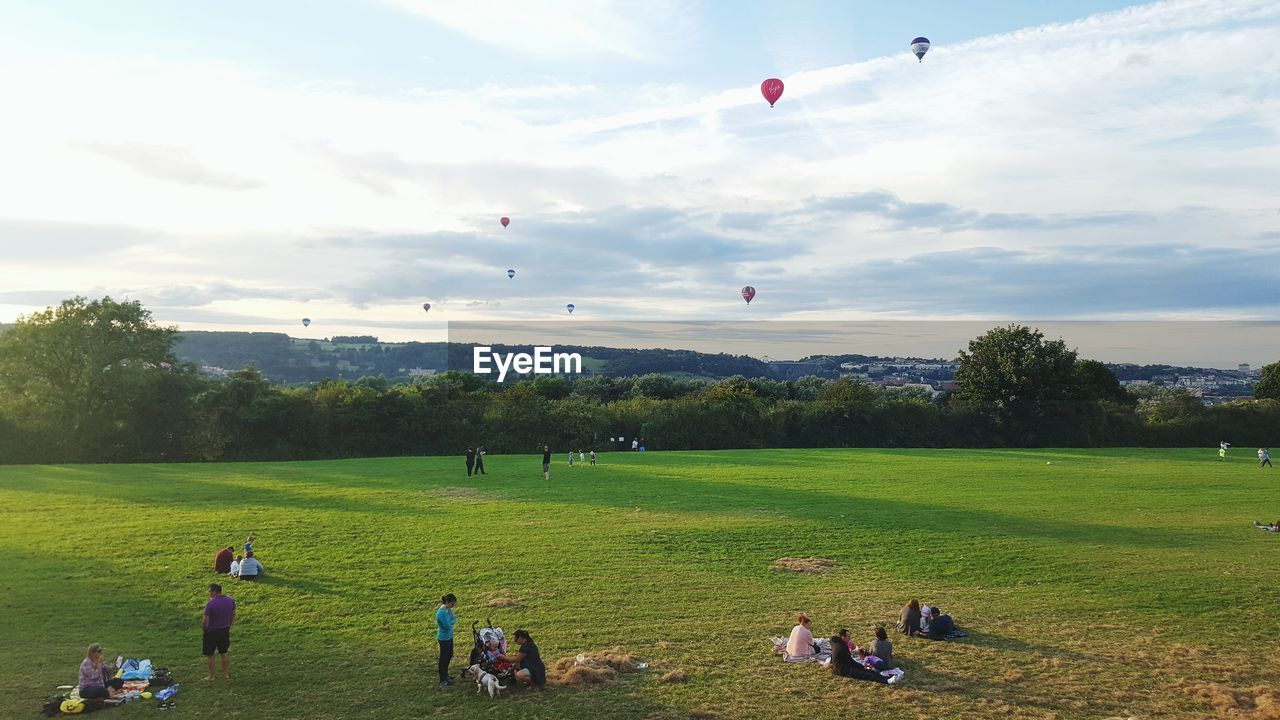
[{"x": 97, "y": 381}]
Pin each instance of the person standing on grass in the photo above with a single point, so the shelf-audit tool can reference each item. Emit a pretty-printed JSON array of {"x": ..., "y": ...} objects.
[
  {"x": 593, "y": 458},
  {"x": 1264, "y": 457},
  {"x": 471, "y": 460},
  {"x": 570, "y": 458},
  {"x": 219, "y": 615},
  {"x": 446, "y": 618},
  {"x": 1222, "y": 449},
  {"x": 222, "y": 561},
  {"x": 480, "y": 461},
  {"x": 546, "y": 462}
]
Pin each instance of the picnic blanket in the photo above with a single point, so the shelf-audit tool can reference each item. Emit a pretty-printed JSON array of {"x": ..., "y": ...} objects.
[{"x": 823, "y": 657}]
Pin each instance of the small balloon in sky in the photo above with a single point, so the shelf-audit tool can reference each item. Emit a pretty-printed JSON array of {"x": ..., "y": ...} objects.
[
  {"x": 748, "y": 293},
  {"x": 920, "y": 46},
  {"x": 306, "y": 322},
  {"x": 772, "y": 90},
  {"x": 569, "y": 307},
  {"x": 426, "y": 307},
  {"x": 511, "y": 273},
  {"x": 505, "y": 221}
]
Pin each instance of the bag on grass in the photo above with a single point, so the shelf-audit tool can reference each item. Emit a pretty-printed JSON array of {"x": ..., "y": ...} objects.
[{"x": 136, "y": 670}]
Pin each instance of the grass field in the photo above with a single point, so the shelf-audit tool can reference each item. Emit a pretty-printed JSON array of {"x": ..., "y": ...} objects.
[{"x": 1118, "y": 583}]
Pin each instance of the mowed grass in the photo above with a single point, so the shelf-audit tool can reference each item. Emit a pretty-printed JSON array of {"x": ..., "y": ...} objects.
[{"x": 1117, "y": 583}]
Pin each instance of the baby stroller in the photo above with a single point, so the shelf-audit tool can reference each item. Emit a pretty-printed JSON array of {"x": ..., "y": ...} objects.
[{"x": 489, "y": 644}]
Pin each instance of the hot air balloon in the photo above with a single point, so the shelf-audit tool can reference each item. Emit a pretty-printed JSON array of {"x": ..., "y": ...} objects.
[
  {"x": 771, "y": 89},
  {"x": 748, "y": 293},
  {"x": 306, "y": 322},
  {"x": 511, "y": 273},
  {"x": 569, "y": 307},
  {"x": 426, "y": 307},
  {"x": 920, "y": 46},
  {"x": 505, "y": 221}
]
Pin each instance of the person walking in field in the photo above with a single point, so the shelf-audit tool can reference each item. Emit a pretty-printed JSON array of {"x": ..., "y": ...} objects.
[
  {"x": 593, "y": 458},
  {"x": 546, "y": 462},
  {"x": 1222, "y": 449},
  {"x": 1264, "y": 457},
  {"x": 446, "y": 618},
  {"x": 570, "y": 458},
  {"x": 219, "y": 616},
  {"x": 471, "y": 460},
  {"x": 480, "y": 461}
]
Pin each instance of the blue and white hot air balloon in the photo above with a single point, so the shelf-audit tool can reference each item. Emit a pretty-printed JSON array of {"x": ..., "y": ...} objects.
[
  {"x": 569, "y": 307},
  {"x": 920, "y": 46},
  {"x": 306, "y": 322},
  {"x": 511, "y": 273}
]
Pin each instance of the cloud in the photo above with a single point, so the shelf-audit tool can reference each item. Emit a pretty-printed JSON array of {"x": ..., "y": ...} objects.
[
  {"x": 568, "y": 28},
  {"x": 173, "y": 164}
]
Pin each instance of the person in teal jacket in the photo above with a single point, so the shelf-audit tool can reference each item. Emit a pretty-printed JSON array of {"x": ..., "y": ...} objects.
[{"x": 446, "y": 618}]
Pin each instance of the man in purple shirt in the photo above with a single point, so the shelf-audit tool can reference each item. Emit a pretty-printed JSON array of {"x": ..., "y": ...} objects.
[{"x": 219, "y": 614}]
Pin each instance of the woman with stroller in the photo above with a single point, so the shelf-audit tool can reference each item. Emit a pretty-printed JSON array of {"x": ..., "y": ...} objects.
[{"x": 532, "y": 671}]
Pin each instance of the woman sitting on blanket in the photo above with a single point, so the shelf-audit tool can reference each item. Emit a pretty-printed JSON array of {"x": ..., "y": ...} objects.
[
  {"x": 96, "y": 677},
  {"x": 801, "y": 644},
  {"x": 844, "y": 665}
]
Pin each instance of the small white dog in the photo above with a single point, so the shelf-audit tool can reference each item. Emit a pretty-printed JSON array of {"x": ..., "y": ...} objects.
[{"x": 485, "y": 681}]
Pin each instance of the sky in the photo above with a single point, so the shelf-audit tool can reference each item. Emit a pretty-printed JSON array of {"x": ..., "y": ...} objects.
[{"x": 242, "y": 165}]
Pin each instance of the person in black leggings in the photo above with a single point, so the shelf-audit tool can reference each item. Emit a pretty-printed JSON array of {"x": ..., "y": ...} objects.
[{"x": 445, "y": 620}]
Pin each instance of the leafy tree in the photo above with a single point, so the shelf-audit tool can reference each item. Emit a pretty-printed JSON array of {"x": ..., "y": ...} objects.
[
  {"x": 1268, "y": 387},
  {"x": 1014, "y": 375},
  {"x": 70, "y": 371},
  {"x": 1095, "y": 381}
]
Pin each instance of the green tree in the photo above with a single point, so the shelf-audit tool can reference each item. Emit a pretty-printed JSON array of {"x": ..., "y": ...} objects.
[
  {"x": 1016, "y": 376},
  {"x": 1268, "y": 387},
  {"x": 69, "y": 372}
]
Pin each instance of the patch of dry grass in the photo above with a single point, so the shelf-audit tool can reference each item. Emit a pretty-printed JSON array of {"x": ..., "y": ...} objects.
[{"x": 802, "y": 565}]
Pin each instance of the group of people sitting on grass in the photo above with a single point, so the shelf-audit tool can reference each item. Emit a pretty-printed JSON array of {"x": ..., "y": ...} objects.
[
  {"x": 846, "y": 657},
  {"x": 244, "y": 567},
  {"x": 926, "y": 622}
]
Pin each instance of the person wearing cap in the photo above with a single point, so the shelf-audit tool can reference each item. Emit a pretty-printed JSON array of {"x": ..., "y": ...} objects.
[{"x": 926, "y": 618}]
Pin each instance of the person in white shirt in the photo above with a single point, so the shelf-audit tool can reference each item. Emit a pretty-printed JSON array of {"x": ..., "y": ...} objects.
[
  {"x": 1264, "y": 457},
  {"x": 635, "y": 444},
  {"x": 250, "y": 568},
  {"x": 235, "y": 566}
]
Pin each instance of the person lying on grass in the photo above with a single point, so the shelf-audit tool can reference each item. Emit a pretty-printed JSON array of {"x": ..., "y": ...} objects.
[
  {"x": 1273, "y": 527},
  {"x": 529, "y": 660},
  {"x": 97, "y": 678},
  {"x": 801, "y": 644},
  {"x": 844, "y": 665}
]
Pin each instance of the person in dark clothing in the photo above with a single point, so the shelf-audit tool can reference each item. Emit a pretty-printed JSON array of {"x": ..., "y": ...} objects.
[
  {"x": 529, "y": 661},
  {"x": 909, "y": 622},
  {"x": 843, "y": 664},
  {"x": 546, "y": 462},
  {"x": 941, "y": 627},
  {"x": 222, "y": 561},
  {"x": 471, "y": 460},
  {"x": 480, "y": 461}
]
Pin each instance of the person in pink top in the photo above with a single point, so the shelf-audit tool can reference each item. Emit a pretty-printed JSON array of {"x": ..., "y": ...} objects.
[{"x": 800, "y": 644}]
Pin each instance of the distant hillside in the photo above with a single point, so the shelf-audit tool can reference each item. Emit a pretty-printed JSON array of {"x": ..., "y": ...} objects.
[{"x": 291, "y": 360}]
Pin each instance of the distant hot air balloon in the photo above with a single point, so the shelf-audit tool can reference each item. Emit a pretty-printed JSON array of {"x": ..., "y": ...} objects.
[
  {"x": 569, "y": 307},
  {"x": 772, "y": 90},
  {"x": 748, "y": 293},
  {"x": 511, "y": 273},
  {"x": 426, "y": 307},
  {"x": 920, "y": 46},
  {"x": 306, "y": 322},
  {"x": 505, "y": 221}
]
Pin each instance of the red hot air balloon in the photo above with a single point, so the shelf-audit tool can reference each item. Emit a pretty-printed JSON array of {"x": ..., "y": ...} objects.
[
  {"x": 771, "y": 89},
  {"x": 748, "y": 293},
  {"x": 505, "y": 221}
]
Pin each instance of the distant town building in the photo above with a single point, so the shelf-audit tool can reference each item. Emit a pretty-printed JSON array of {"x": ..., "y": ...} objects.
[{"x": 1244, "y": 368}]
